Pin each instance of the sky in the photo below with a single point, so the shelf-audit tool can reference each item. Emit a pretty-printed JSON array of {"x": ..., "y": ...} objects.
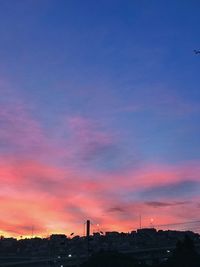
[{"x": 99, "y": 114}]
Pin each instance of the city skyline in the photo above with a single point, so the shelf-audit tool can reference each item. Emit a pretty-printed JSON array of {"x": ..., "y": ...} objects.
[{"x": 99, "y": 114}]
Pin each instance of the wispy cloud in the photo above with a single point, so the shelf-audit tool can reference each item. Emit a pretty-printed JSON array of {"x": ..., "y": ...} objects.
[
  {"x": 63, "y": 176},
  {"x": 30, "y": 188},
  {"x": 158, "y": 204}
]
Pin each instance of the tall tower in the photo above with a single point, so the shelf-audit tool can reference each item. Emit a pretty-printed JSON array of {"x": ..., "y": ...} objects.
[
  {"x": 88, "y": 228},
  {"x": 88, "y": 237}
]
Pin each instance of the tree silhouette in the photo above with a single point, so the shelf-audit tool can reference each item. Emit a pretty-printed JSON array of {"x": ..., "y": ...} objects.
[{"x": 184, "y": 255}]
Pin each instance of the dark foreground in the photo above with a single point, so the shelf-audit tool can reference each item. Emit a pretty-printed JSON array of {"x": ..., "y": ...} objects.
[{"x": 184, "y": 255}]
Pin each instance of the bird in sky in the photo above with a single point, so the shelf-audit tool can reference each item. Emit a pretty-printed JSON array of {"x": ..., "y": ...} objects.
[{"x": 197, "y": 52}]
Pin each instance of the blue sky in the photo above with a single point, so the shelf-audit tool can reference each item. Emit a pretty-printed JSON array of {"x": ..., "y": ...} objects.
[{"x": 104, "y": 89}]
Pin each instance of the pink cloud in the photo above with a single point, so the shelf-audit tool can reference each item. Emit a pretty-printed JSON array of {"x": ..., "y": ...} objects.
[
  {"x": 89, "y": 140},
  {"x": 87, "y": 130},
  {"x": 67, "y": 197},
  {"x": 35, "y": 190}
]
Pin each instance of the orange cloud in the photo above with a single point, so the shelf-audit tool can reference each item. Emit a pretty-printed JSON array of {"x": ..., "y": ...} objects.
[
  {"x": 60, "y": 199},
  {"x": 45, "y": 185}
]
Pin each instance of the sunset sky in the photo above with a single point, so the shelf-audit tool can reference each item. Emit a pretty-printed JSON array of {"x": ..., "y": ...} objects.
[{"x": 99, "y": 114}]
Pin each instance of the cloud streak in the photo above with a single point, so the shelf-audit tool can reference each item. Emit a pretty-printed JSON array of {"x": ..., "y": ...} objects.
[{"x": 72, "y": 176}]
